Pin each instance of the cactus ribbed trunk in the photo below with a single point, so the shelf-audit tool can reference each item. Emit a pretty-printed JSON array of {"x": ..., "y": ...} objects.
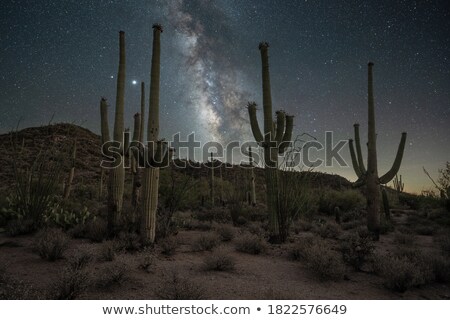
[
  {"x": 136, "y": 183},
  {"x": 386, "y": 207},
  {"x": 211, "y": 184},
  {"x": 151, "y": 174},
  {"x": 270, "y": 152},
  {"x": 252, "y": 180},
  {"x": 117, "y": 174},
  {"x": 373, "y": 190}
]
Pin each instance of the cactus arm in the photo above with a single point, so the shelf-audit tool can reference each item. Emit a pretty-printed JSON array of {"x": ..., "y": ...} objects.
[
  {"x": 286, "y": 141},
  {"x": 362, "y": 169},
  {"x": 126, "y": 142},
  {"x": 354, "y": 160},
  {"x": 267, "y": 96},
  {"x": 251, "y": 106},
  {"x": 281, "y": 125},
  {"x": 397, "y": 162}
]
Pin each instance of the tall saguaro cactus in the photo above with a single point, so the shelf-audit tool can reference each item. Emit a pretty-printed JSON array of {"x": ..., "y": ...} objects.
[
  {"x": 68, "y": 185},
  {"x": 398, "y": 184},
  {"x": 116, "y": 174},
  {"x": 274, "y": 141},
  {"x": 370, "y": 176},
  {"x": 252, "y": 179},
  {"x": 211, "y": 184},
  {"x": 155, "y": 149}
]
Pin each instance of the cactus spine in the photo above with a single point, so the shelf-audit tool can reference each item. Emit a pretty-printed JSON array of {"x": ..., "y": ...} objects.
[
  {"x": 68, "y": 185},
  {"x": 116, "y": 174},
  {"x": 274, "y": 142},
  {"x": 369, "y": 177}
]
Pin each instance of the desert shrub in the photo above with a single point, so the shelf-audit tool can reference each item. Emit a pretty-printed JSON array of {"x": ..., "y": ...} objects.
[
  {"x": 256, "y": 228},
  {"x": 351, "y": 224},
  {"x": 386, "y": 226},
  {"x": 324, "y": 262},
  {"x": 225, "y": 232},
  {"x": 129, "y": 241},
  {"x": 71, "y": 283},
  {"x": 404, "y": 269},
  {"x": 219, "y": 261},
  {"x": 96, "y": 229},
  {"x": 351, "y": 215},
  {"x": 108, "y": 251},
  {"x": 146, "y": 262},
  {"x": 251, "y": 244},
  {"x": 174, "y": 287},
  {"x": 424, "y": 230},
  {"x": 80, "y": 260},
  {"x": 298, "y": 251},
  {"x": 345, "y": 200},
  {"x": 404, "y": 238},
  {"x": 61, "y": 216},
  {"x": 168, "y": 246},
  {"x": 112, "y": 275},
  {"x": 236, "y": 205},
  {"x": 198, "y": 225},
  {"x": 301, "y": 226},
  {"x": 51, "y": 244},
  {"x": 206, "y": 242},
  {"x": 356, "y": 248},
  {"x": 329, "y": 230}
]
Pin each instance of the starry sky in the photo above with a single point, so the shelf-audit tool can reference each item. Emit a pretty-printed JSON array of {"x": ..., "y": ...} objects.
[{"x": 59, "y": 57}]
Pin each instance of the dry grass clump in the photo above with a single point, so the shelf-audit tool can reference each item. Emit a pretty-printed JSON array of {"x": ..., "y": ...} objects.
[
  {"x": 219, "y": 261},
  {"x": 113, "y": 275},
  {"x": 323, "y": 261},
  {"x": 108, "y": 251},
  {"x": 168, "y": 246},
  {"x": 252, "y": 244},
  {"x": 356, "y": 248},
  {"x": 329, "y": 230},
  {"x": 147, "y": 262},
  {"x": 51, "y": 244},
  {"x": 175, "y": 287},
  {"x": 206, "y": 242},
  {"x": 225, "y": 232}
]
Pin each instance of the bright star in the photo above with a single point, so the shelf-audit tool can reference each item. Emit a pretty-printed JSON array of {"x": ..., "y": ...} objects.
[{"x": 134, "y": 82}]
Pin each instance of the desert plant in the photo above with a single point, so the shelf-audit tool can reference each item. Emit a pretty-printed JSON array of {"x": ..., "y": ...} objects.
[
  {"x": 80, "y": 260},
  {"x": 399, "y": 185},
  {"x": 205, "y": 242},
  {"x": 129, "y": 241},
  {"x": 275, "y": 140},
  {"x": 175, "y": 287},
  {"x": 357, "y": 248},
  {"x": 370, "y": 177},
  {"x": 345, "y": 200},
  {"x": 168, "y": 246},
  {"x": 329, "y": 230},
  {"x": 70, "y": 176},
  {"x": 219, "y": 261},
  {"x": 324, "y": 262},
  {"x": 146, "y": 262},
  {"x": 96, "y": 229},
  {"x": 225, "y": 232},
  {"x": 51, "y": 244},
  {"x": 251, "y": 244},
  {"x": 113, "y": 275},
  {"x": 108, "y": 251}
]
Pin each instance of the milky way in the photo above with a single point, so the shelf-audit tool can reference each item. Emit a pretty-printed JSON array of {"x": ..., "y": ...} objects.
[{"x": 59, "y": 57}]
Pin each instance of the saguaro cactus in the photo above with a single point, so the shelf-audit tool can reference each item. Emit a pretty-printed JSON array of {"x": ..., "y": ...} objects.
[
  {"x": 211, "y": 182},
  {"x": 156, "y": 154},
  {"x": 116, "y": 174},
  {"x": 370, "y": 177},
  {"x": 252, "y": 179},
  {"x": 274, "y": 142}
]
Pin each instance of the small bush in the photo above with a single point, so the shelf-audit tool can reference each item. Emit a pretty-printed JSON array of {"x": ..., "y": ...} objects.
[
  {"x": 70, "y": 284},
  {"x": 324, "y": 262},
  {"x": 108, "y": 251},
  {"x": 129, "y": 241},
  {"x": 251, "y": 244},
  {"x": 404, "y": 269},
  {"x": 168, "y": 246},
  {"x": 298, "y": 251},
  {"x": 256, "y": 228},
  {"x": 51, "y": 244},
  {"x": 80, "y": 260},
  {"x": 206, "y": 242},
  {"x": 146, "y": 262},
  {"x": 175, "y": 287},
  {"x": 96, "y": 230},
  {"x": 226, "y": 232},
  {"x": 329, "y": 230},
  {"x": 346, "y": 200},
  {"x": 356, "y": 248},
  {"x": 219, "y": 261},
  {"x": 113, "y": 275}
]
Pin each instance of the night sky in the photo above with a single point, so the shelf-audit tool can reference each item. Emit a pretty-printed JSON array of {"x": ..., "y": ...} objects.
[{"x": 60, "y": 57}]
